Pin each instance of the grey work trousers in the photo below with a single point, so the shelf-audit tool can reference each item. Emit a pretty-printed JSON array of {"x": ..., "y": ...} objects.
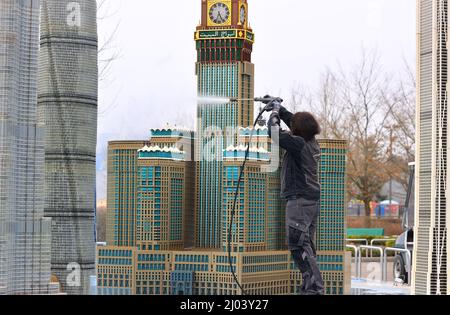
[{"x": 301, "y": 224}]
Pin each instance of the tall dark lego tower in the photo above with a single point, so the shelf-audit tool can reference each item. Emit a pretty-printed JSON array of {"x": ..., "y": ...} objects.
[
  {"x": 432, "y": 204},
  {"x": 24, "y": 232},
  {"x": 67, "y": 102}
]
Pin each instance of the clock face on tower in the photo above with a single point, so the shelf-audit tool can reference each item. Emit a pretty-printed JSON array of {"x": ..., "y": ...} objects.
[
  {"x": 243, "y": 14},
  {"x": 219, "y": 13}
]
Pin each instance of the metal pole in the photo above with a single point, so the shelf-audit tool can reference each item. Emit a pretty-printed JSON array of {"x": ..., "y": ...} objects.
[
  {"x": 358, "y": 240},
  {"x": 390, "y": 175},
  {"x": 356, "y": 258},
  {"x": 381, "y": 240}
]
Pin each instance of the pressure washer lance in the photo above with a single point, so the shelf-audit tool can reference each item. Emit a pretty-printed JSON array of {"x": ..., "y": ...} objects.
[
  {"x": 266, "y": 100},
  {"x": 271, "y": 104}
]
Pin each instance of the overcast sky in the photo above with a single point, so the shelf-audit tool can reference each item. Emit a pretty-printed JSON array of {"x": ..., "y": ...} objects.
[{"x": 153, "y": 82}]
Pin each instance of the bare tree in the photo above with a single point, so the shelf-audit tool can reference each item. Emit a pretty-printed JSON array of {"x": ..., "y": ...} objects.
[
  {"x": 300, "y": 98},
  {"x": 368, "y": 102},
  {"x": 403, "y": 122},
  {"x": 328, "y": 108},
  {"x": 358, "y": 105},
  {"x": 108, "y": 51}
]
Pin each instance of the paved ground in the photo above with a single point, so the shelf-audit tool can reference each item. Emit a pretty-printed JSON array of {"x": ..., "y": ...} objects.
[
  {"x": 370, "y": 282},
  {"x": 365, "y": 287}
]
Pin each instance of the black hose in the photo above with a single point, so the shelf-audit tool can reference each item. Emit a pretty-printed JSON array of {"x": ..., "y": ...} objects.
[{"x": 233, "y": 212}]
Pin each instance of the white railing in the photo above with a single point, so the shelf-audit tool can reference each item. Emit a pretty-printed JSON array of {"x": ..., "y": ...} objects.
[
  {"x": 356, "y": 258},
  {"x": 383, "y": 255},
  {"x": 358, "y": 240},
  {"x": 380, "y": 240}
]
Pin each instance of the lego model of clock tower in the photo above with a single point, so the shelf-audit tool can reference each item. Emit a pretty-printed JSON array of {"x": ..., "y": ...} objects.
[{"x": 224, "y": 43}]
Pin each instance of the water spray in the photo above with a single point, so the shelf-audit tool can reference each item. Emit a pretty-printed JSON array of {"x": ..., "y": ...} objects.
[{"x": 212, "y": 100}]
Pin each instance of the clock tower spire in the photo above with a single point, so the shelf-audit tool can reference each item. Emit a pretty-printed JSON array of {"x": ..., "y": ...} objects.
[
  {"x": 224, "y": 14},
  {"x": 224, "y": 22},
  {"x": 224, "y": 43}
]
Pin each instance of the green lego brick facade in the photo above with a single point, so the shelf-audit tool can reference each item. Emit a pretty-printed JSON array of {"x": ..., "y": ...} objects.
[{"x": 215, "y": 122}]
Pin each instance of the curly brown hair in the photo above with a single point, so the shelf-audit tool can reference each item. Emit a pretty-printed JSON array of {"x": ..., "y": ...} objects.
[{"x": 305, "y": 125}]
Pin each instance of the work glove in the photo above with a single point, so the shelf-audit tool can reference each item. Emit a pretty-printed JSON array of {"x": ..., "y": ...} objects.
[
  {"x": 273, "y": 104},
  {"x": 274, "y": 119}
]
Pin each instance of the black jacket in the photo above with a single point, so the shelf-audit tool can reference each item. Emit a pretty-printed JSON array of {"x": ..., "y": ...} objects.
[{"x": 299, "y": 173}]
